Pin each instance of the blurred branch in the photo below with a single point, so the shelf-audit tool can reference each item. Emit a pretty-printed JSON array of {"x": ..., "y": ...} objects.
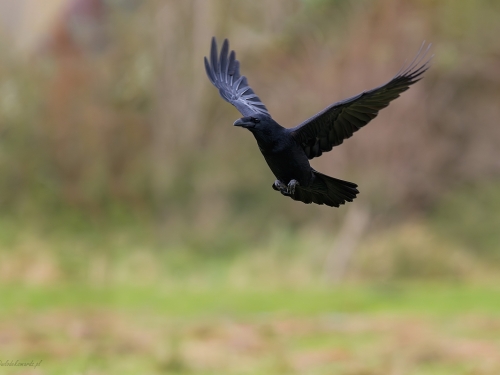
[{"x": 350, "y": 234}]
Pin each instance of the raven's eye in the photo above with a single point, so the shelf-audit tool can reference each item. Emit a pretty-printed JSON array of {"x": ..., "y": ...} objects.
[{"x": 254, "y": 120}]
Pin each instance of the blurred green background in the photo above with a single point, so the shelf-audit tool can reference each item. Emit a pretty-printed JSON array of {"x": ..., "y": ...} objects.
[{"x": 139, "y": 233}]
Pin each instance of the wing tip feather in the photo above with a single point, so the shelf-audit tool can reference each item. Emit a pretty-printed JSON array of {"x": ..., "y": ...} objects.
[
  {"x": 417, "y": 66},
  {"x": 223, "y": 70}
]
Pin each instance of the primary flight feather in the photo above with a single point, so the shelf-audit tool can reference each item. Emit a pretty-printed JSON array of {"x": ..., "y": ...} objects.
[{"x": 287, "y": 151}]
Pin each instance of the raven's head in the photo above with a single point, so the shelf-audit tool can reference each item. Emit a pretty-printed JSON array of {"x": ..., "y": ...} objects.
[
  {"x": 265, "y": 130},
  {"x": 253, "y": 122}
]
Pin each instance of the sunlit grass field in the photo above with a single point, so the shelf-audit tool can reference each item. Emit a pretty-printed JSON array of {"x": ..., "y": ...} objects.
[
  {"x": 115, "y": 297},
  {"x": 412, "y": 303},
  {"x": 411, "y": 329}
]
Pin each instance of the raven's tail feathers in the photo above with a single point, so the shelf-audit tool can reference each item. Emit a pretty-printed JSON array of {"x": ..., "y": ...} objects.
[{"x": 327, "y": 190}]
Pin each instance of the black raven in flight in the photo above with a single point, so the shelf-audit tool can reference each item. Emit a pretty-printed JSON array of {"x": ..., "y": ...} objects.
[{"x": 287, "y": 151}]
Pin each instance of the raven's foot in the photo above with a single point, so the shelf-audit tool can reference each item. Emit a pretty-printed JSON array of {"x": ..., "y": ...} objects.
[
  {"x": 281, "y": 187},
  {"x": 291, "y": 186}
]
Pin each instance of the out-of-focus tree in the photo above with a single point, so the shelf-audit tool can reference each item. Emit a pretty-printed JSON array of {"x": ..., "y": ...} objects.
[{"x": 115, "y": 105}]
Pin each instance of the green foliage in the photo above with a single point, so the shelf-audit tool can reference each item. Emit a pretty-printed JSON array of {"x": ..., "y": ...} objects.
[{"x": 471, "y": 216}]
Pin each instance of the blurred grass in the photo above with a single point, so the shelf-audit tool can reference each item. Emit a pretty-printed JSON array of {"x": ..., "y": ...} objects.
[
  {"x": 418, "y": 329},
  {"x": 423, "y": 298},
  {"x": 117, "y": 296},
  {"x": 96, "y": 298},
  {"x": 457, "y": 242}
]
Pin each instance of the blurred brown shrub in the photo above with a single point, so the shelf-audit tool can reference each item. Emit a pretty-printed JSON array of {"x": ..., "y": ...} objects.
[{"x": 135, "y": 121}]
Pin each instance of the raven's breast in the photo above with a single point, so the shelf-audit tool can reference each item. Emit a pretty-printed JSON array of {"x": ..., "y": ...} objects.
[{"x": 290, "y": 163}]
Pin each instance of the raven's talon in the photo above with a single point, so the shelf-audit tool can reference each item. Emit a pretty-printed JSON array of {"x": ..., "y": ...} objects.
[
  {"x": 280, "y": 186},
  {"x": 291, "y": 186}
]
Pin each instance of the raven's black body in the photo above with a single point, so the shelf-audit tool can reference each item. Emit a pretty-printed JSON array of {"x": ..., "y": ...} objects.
[
  {"x": 287, "y": 150},
  {"x": 289, "y": 163},
  {"x": 284, "y": 156}
]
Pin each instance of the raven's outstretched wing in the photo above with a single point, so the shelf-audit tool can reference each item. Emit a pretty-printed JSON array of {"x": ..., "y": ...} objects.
[
  {"x": 224, "y": 73},
  {"x": 339, "y": 121}
]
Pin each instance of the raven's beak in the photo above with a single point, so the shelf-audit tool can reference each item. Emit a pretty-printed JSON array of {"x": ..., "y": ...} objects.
[{"x": 239, "y": 122}]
